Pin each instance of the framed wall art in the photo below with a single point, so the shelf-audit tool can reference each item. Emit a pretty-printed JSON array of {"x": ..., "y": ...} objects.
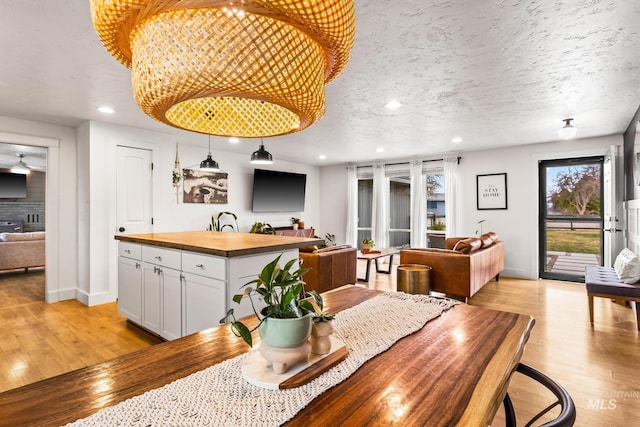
[
  {"x": 492, "y": 191},
  {"x": 204, "y": 187}
]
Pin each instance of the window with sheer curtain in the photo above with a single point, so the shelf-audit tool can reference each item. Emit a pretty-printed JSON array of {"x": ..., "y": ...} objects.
[{"x": 402, "y": 231}]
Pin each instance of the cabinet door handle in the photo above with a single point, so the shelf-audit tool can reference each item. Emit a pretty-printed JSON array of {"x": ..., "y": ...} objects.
[
  {"x": 137, "y": 265},
  {"x": 199, "y": 265},
  {"x": 159, "y": 271},
  {"x": 159, "y": 258},
  {"x": 127, "y": 251}
]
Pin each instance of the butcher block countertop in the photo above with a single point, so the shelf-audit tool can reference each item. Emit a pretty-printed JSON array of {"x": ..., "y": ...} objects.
[{"x": 225, "y": 244}]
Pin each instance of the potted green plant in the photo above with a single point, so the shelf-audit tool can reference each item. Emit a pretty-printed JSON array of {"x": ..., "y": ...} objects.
[
  {"x": 262, "y": 228},
  {"x": 286, "y": 320},
  {"x": 438, "y": 226},
  {"x": 368, "y": 245},
  {"x": 216, "y": 224},
  {"x": 295, "y": 222}
]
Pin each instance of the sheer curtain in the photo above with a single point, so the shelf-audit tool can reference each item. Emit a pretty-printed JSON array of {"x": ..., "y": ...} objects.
[
  {"x": 380, "y": 207},
  {"x": 451, "y": 195},
  {"x": 418, "y": 206},
  {"x": 351, "y": 236}
]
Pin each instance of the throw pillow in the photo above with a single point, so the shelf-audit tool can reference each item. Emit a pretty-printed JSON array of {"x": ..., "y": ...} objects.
[
  {"x": 492, "y": 235},
  {"x": 466, "y": 246},
  {"x": 627, "y": 266},
  {"x": 486, "y": 241}
]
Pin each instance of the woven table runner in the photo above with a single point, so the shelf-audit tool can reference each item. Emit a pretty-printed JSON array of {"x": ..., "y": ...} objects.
[{"x": 219, "y": 396}]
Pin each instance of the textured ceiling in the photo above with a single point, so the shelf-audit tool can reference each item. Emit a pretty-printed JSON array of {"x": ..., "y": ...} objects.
[{"x": 492, "y": 72}]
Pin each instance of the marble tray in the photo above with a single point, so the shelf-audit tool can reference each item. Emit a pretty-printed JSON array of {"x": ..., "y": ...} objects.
[{"x": 256, "y": 370}]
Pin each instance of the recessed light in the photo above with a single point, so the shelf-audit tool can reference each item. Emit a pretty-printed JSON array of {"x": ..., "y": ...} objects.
[
  {"x": 456, "y": 139},
  {"x": 234, "y": 140},
  {"x": 393, "y": 105},
  {"x": 322, "y": 157},
  {"x": 380, "y": 150},
  {"x": 107, "y": 110}
]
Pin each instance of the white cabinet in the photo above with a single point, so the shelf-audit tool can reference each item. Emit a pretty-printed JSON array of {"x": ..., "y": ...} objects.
[
  {"x": 130, "y": 281},
  {"x": 130, "y": 289},
  {"x": 171, "y": 304},
  {"x": 151, "y": 283},
  {"x": 174, "y": 293},
  {"x": 204, "y": 302},
  {"x": 161, "y": 291},
  {"x": 205, "y": 290}
]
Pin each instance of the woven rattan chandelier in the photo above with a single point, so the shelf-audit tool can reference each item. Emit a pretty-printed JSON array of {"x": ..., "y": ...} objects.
[{"x": 248, "y": 68}]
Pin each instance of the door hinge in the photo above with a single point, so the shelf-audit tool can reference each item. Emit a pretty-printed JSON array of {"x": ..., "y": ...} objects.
[
  {"x": 151, "y": 220},
  {"x": 151, "y": 165}
]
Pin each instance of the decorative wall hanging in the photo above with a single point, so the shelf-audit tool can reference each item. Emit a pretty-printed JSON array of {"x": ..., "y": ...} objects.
[
  {"x": 492, "y": 191},
  {"x": 204, "y": 187},
  {"x": 246, "y": 68},
  {"x": 176, "y": 177}
]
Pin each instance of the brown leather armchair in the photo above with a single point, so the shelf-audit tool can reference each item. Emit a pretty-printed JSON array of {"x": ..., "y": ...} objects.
[{"x": 330, "y": 267}]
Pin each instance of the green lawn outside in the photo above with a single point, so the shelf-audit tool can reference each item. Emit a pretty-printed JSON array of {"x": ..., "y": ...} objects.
[{"x": 576, "y": 241}]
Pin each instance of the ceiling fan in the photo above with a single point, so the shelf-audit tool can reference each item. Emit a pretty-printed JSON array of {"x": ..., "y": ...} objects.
[{"x": 21, "y": 167}]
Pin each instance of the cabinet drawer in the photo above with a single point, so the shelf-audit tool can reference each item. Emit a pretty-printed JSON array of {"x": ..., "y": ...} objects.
[
  {"x": 204, "y": 265},
  {"x": 166, "y": 257},
  {"x": 129, "y": 250},
  {"x": 249, "y": 267}
]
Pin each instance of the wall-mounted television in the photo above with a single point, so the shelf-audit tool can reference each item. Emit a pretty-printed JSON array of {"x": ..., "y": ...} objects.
[
  {"x": 13, "y": 186},
  {"x": 275, "y": 191}
]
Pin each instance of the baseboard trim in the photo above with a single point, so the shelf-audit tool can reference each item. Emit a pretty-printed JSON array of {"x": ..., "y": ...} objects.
[
  {"x": 94, "y": 299},
  {"x": 60, "y": 295}
]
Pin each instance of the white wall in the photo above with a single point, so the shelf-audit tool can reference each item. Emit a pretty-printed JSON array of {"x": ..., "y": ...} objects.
[
  {"x": 99, "y": 284},
  {"x": 517, "y": 226}
]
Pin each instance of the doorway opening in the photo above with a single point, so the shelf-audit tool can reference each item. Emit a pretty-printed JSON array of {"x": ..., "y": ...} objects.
[
  {"x": 570, "y": 217},
  {"x": 23, "y": 182}
]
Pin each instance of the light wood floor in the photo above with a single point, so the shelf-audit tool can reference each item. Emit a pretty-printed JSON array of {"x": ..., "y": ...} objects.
[
  {"x": 598, "y": 365},
  {"x": 39, "y": 340}
]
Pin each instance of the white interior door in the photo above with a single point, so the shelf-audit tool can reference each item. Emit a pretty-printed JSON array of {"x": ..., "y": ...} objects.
[
  {"x": 612, "y": 206},
  {"x": 134, "y": 191}
]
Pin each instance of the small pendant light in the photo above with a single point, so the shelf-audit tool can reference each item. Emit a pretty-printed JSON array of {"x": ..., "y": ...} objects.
[
  {"x": 262, "y": 156},
  {"x": 208, "y": 164}
]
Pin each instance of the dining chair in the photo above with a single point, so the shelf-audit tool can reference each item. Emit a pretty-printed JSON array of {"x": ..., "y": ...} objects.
[{"x": 567, "y": 415}]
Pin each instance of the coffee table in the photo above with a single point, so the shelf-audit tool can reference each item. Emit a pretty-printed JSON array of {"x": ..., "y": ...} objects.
[{"x": 375, "y": 256}]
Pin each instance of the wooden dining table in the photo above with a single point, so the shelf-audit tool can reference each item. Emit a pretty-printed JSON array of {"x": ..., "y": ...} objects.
[{"x": 453, "y": 371}]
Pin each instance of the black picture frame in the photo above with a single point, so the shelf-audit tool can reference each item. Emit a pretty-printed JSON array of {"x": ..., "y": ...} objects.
[{"x": 491, "y": 191}]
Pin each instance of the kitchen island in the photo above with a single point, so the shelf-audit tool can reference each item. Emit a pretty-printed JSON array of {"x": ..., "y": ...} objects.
[{"x": 177, "y": 283}]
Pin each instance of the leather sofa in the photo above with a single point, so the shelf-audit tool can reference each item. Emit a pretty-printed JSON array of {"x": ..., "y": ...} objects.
[
  {"x": 464, "y": 267},
  {"x": 330, "y": 267},
  {"x": 22, "y": 250}
]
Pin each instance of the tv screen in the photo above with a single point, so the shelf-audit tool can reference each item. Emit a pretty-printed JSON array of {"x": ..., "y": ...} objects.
[
  {"x": 275, "y": 191},
  {"x": 13, "y": 186}
]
